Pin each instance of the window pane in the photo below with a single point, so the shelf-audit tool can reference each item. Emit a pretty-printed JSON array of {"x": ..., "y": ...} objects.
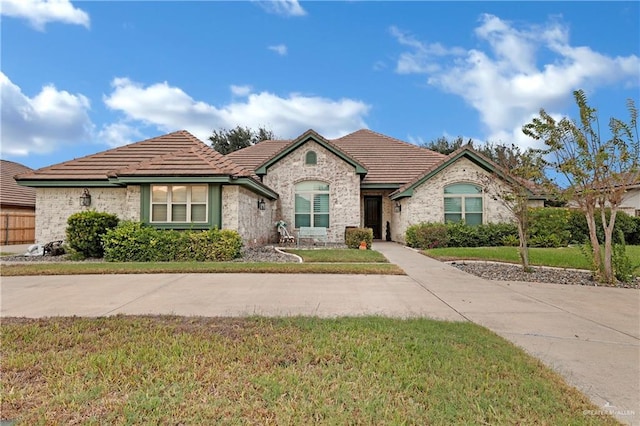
[
  {"x": 159, "y": 194},
  {"x": 462, "y": 188},
  {"x": 321, "y": 203},
  {"x": 199, "y": 213},
  {"x": 199, "y": 194},
  {"x": 321, "y": 220},
  {"x": 452, "y": 204},
  {"x": 303, "y": 220},
  {"x": 452, "y": 217},
  {"x": 311, "y": 158},
  {"x": 179, "y": 194},
  {"x": 159, "y": 213},
  {"x": 312, "y": 186},
  {"x": 303, "y": 203},
  {"x": 473, "y": 204},
  {"x": 179, "y": 213},
  {"x": 473, "y": 218}
]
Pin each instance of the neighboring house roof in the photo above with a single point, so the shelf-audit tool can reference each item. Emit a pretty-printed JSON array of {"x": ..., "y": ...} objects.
[
  {"x": 12, "y": 194},
  {"x": 388, "y": 162},
  {"x": 175, "y": 155}
]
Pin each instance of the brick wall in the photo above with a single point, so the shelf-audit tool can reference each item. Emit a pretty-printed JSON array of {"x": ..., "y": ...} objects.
[
  {"x": 240, "y": 212},
  {"x": 344, "y": 187},
  {"x": 55, "y": 205}
]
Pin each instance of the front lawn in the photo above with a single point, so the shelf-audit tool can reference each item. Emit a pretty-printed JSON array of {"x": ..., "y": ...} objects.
[
  {"x": 339, "y": 255},
  {"x": 564, "y": 257},
  {"x": 367, "y": 370}
]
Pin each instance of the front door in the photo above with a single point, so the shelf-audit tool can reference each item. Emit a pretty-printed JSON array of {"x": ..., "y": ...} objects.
[{"x": 373, "y": 215}]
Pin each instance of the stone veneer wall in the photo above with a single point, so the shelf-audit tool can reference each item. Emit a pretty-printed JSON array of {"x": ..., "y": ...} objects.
[
  {"x": 240, "y": 213},
  {"x": 427, "y": 202},
  {"x": 344, "y": 187},
  {"x": 55, "y": 205}
]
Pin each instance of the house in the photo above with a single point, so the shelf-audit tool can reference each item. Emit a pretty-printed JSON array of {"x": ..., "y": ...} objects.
[
  {"x": 361, "y": 179},
  {"x": 17, "y": 206}
]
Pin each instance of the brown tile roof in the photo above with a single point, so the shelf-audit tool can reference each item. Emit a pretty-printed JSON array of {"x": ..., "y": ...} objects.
[
  {"x": 174, "y": 154},
  {"x": 387, "y": 160},
  {"x": 12, "y": 194},
  {"x": 252, "y": 157}
]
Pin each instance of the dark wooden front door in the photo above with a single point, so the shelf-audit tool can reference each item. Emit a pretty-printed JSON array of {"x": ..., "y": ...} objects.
[{"x": 373, "y": 215}]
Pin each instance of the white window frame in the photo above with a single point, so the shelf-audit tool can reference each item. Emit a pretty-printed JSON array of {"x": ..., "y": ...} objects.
[
  {"x": 169, "y": 203},
  {"x": 312, "y": 194},
  {"x": 463, "y": 202}
]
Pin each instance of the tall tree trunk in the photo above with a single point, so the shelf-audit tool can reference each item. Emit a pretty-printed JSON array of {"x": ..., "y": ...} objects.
[
  {"x": 523, "y": 249},
  {"x": 609, "y": 275},
  {"x": 589, "y": 214}
]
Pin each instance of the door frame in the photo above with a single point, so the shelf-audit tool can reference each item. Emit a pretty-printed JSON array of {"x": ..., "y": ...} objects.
[{"x": 378, "y": 199}]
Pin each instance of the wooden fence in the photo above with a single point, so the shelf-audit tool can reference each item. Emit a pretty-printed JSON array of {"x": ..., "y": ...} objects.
[{"x": 17, "y": 228}]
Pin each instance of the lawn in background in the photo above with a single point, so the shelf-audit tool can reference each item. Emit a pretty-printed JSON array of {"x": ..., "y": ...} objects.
[
  {"x": 188, "y": 370},
  {"x": 564, "y": 257}
]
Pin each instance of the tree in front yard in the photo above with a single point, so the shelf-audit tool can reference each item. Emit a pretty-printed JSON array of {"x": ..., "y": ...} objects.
[{"x": 598, "y": 170}]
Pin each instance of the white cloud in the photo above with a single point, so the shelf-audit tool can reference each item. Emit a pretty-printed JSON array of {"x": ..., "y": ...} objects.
[
  {"x": 169, "y": 108},
  {"x": 118, "y": 134},
  {"x": 280, "y": 49},
  {"x": 504, "y": 83},
  {"x": 283, "y": 7},
  {"x": 240, "y": 90},
  {"x": 38, "y": 124},
  {"x": 41, "y": 12}
]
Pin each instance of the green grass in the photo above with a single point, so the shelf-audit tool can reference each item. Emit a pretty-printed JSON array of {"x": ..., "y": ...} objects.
[
  {"x": 367, "y": 370},
  {"x": 66, "y": 268},
  {"x": 564, "y": 257},
  {"x": 340, "y": 255}
]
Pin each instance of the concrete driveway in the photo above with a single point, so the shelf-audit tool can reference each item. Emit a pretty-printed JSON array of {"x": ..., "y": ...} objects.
[{"x": 590, "y": 335}]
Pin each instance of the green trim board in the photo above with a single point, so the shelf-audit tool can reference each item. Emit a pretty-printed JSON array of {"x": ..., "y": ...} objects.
[
  {"x": 70, "y": 183},
  {"x": 307, "y": 136},
  {"x": 214, "y": 218}
]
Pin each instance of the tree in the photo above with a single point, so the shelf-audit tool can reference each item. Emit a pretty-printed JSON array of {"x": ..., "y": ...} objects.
[
  {"x": 598, "y": 170},
  {"x": 226, "y": 141},
  {"x": 518, "y": 174},
  {"x": 445, "y": 146}
]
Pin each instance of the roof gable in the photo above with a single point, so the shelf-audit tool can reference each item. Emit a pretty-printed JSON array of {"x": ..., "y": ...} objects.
[
  {"x": 303, "y": 139},
  {"x": 463, "y": 152}
]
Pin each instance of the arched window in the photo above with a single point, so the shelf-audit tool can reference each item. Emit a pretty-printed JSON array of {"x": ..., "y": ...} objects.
[
  {"x": 463, "y": 202},
  {"x": 312, "y": 204},
  {"x": 311, "y": 158}
]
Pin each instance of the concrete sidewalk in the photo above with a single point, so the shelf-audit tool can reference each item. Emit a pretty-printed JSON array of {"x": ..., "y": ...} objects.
[{"x": 590, "y": 335}]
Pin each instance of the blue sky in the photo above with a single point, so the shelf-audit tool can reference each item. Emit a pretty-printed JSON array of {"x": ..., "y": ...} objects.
[{"x": 81, "y": 77}]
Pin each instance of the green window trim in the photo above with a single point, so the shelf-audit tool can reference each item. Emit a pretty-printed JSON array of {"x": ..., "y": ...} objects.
[
  {"x": 464, "y": 202},
  {"x": 213, "y": 209},
  {"x": 312, "y": 207}
]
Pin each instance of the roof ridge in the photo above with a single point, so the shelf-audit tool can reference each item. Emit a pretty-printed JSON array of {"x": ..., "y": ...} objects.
[{"x": 390, "y": 138}]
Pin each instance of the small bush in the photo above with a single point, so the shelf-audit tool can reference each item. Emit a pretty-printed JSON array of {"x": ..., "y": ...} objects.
[
  {"x": 136, "y": 242},
  {"x": 85, "y": 231},
  {"x": 510, "y": 241},
  {"x": 623, "y": 268},
  {"x": 354, "y": 236},
  {"x": 427, "y": 235},
  {"x": 549, "y": 227}
]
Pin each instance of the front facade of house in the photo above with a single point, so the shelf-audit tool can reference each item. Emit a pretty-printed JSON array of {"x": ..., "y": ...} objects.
[{"x": 363, "y": 179}]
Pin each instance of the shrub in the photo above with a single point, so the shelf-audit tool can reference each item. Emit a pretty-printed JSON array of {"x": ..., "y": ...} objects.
[
  {"x": 489, "y": 235},
  {"x": 136, "y": 242},
  {"x": 354, "y": 236},
  {"x": 85, "y": 231},
  {"x": 623, "y": 268},
  {"x": 427, "y": 235},
  {"x": 549, "y": 227},
  {"x": 629, "y": 225}
]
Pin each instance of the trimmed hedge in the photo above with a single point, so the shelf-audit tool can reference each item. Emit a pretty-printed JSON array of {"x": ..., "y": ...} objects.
[
  {"x": 136, "y": 242},
  {"x": 85, "y": 231},
  {"x": 427, "y": 235},
  {"x": 354, "y": 236}
]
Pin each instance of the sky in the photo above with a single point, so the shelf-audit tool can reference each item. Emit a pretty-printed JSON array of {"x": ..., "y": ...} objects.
[{"x": 85, "y": 76}]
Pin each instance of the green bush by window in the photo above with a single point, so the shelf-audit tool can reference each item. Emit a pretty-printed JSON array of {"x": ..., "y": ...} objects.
[
  {"x": 85, "y": 230},
  {"x": 354, "y": 236},
  {"x": 428, "y": 235},
  {"x": 136, "y": 242}
]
